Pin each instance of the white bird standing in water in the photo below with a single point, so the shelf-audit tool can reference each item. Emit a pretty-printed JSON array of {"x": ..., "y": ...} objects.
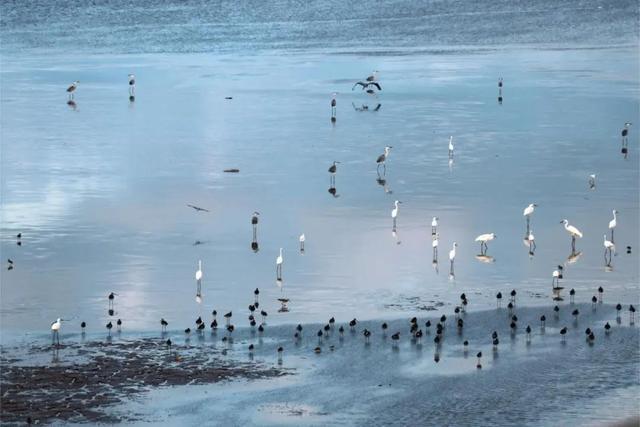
[
  {"x": 55, "y": 330},
  {"x": 483, "y": 239},
  {"x": 451, "y": 146},
  {"x": 452, "y": 255},
  {"x": 573, "y": 231},
  {"x": 528, "y": 211},
  {"x": 609, "y": 246},
  {"x": 434, "y": 225},
  {"x": 279, "y": 261},
  {"x": 394, "y": 212},
  {"x": 199, "y": 279},
  {"x": 302, "y": 238},
  {"x": 613, "y": 223}
]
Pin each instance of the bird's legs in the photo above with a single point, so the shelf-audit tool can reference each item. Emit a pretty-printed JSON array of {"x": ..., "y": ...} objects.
[
  {"x": 394, "y": 224},
  {"x": 612, "y": 235},
  {"x": 255, "y": 233},
  {"x": 528, "y": 223},
  {"x": 573, "y": 244}
]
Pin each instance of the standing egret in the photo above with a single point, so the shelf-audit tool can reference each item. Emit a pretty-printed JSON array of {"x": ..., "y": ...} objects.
[
  {"x": 527, "y": 213},
  {"x": 610, "y": 248},
  {"x": 72, "y": 88},
  {"x": 132, "y": 85},
  {"x": 199, "y": 278},
  {"x": 382, "y": 158},
  {"x": 302, "y": 239},
  {"x": 573, "y": 231},
  {"x": 55, "y": 330},
  {"x": 450, "y": 147},
  {"x": 394, "y": 212},
  {"x": 592, "y": 181},
  {"x": 452, "y": 255},
  {"x": 613, "y": 223},
  {"x": 434, "y": 225},
  {"x": 434, "y": 244},
  {"x": 279, "y": 261},
  {"x": 483, "y": 239}
]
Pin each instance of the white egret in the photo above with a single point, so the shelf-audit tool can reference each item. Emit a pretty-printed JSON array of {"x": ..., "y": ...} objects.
[
  {"x": 72, "y": 88},
  {"x": 573, "y": 231},
  {"x": 434, "y": 225},
  {"x": 394, "y": 212},
  {"x": 610, "y": 248},
  {"x": 451, "y": 146},
  {"x": 613, "y": 223},
  {"x": 483, "y": 239},
  {"x": 382, "y": 158},
  {"x": 279, "y": 261},
  {"x": 452, "y": 255},
  {"x": 302, "y": 238},
  {"x": 528, "y": 211},
  {"x": 55, "y": 330}
]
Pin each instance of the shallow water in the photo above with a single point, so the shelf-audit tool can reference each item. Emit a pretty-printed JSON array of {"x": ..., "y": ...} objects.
[{"x": 99, "y": 188}]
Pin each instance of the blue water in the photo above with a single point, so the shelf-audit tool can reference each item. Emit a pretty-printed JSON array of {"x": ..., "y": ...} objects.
[{"x": 99, "y": 188}]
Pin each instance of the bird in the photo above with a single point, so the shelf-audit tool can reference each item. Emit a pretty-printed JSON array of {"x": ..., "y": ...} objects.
[
  {"x": 264, "y": 315},
  {"x": 353, "y": 323},
  {"x": 528, "y": 211},
  {"x": 452, "y": 254},
  {"x": 632, "y": 314},
  {"x": 55, "y": 330},
  {"x": 119, "y": 323},
  {"x": 572, "y": 295},
  {"x": 499, "y": 299},
  {"x": 72, "y": 88},
  {"x": 513, "y": 296},
  {"x": 451, "y": 146},
  {"x": 434, "y": 225},
  {"x": 198, "y": 208},
  {"x": 500, "y": 82},
  {"x": 382, "y": 158},
  {"x": 543, "y": 320},
  {"x": 573, "y": 232},
  {"x": 199, "y": 271},
  {"x": 625, "y": 131},
  {"x": 592, "y": 181},
  {"x": 479, "y": 356},
  {"x": 83, "y": 325},
  {"x": 111, "y": 298},
  {"x": 333, "y": 168},
  {"x": 279, "y": 261},
  {"x": 395, "y": 337},
  {"x": 163, "y": 324},
  {"x": 600, "y": 293},
  {"x": 254, "y": 218},
  {"x": 109, "y": 326},
  {"x": 228, "y": 317},
  {"x": 609, "y": 247},
  {"x": 302, "y": 239},
  {"x": 367, "y": 84},
  {"x": 613, "y": 223},
  {"x": 256, "y": 294},
  {"x": 373, "y": 77},
  {"x": 483, "y": 239},
  {"x": 532, "y": 242},
  {"x": 563, "y": 332},
  {"x": 607, "y": 328},
  {"x": 394, "y": 212},
  {"x": 333, "y": 104},
  {"x": 366, "y": 334},
  {"x": 132, "y": 84},
  {"x": 575, "y": 313}
]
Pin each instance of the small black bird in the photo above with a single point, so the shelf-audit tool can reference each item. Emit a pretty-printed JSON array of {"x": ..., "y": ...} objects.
[
  {"x": 168, "y": 342},
  {"x": 299, "y": 328},
  {"x": 384, "y": 326},
  {"x": 572, "y": 295},
  {"x": 428, "y": 324},
  {"x": 83, "y": 325},
  {"x": 260, "y": 328},
  {"x": 317, "y": 350},
  {"x": 514, "y": 318},
  {"x": 563, "y": 332},
  {"x": 496, "y": 341},
  {"x": 499, "y": 298},
  {"x": 528, "y": 331},
  {"x": 443, "y": 319},
  {"x": 575, "y": 313},
  {"x": 251, "y": 347},
  {"x": 201, "y": 326},
  {"x": 607, "y": 327},
  {"x": 252, "y": 308},
  {"x": 341, "y": 330},
  {"x": 214, "y": 324},
  {"x": 198, "y": 320},
  {"x": 366, "y": 334},
  {"x": 395, "y": 336},
  {"x": 594, "y": 301},
  {"x": 332, "y": 321},
  {"x": 109, "y": 326},
  {"x": 187, "y": 331},
  {"x": 543, "y": 319},
  {"x": 163, "y": 324},
  {"x": 414, "y": 320},
  {"x": 327, "y": 328},
  {"x": 479, "y": 356},
  {"x": 119, "y": 323},
  {"x": 352, "y": 324}
]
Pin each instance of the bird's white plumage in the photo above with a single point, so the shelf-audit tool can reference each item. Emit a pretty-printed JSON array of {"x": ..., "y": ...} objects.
[
  {"x": 485, "y": 237},
  {"x": 279, "y": 259},
  {"x": 529, "y": 209},
  {"x": 614, "y": 221},
  {"x": 302, "y": 238},
  {"x": 573, "y": 231},
  {"x": 434, "y": 221},
  {"x": 451, "y": 144},
  {"x": 608, "y": 244},
  {"x": 199, "y": 271},
  {"x": 55, "y": 326},
  {"x": 435, "y": 241},
  {"x": 452, "y": 252},
  {"x": 394, "y": 211}
]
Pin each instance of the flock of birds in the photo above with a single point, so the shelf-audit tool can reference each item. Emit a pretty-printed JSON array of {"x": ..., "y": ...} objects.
[{"x": 415, "y": 331}]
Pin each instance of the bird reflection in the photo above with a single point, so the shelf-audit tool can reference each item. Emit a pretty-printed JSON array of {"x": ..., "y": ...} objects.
[
  {"x": 574, "y": 256},
  {"x": 365, "y": 107},
  {"x": 132, "y": 98},
  {"x": 283, "y": 305},
  {"x": 254, "y": 246},
  {"x": 394, "y": 233},
  {"x": 332, "y": 190},
  {"x": 488, "y": 259},
  {"x": 72, "y": 104},
  {"x": 381, "y": 180}
]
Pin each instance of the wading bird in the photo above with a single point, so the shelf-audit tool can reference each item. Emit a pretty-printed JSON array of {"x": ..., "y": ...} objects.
[
  {"x": 609, "y": 249},
  {"x": 452, "y": 256},
  {"x": 382, "y": 158},
  {"x": 528, "y": 211},
  {"x": 613, "y": 223},
  {"x": 55, "y": 331},
  {"x": 302, "y": 239},
  {"x": 72, "y": 88},
  {"x": 279, "y": 261},
  {"x": 483, "y": 239},
  {"x": 573, "y": 231},
  {"x": 394, "y": 212}
]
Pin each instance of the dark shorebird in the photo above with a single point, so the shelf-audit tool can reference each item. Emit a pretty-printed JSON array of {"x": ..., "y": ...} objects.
[
  {"x": 500, "y": 82},
  {"x": 264, "y": 315},
  {"x": 382, "y": 158},
  {"x": 332, "y": 322},
  {"x": 543, "y": 320},
  {"x": 466, "y": 345},
  {"x": 228, "y": 317},
  {"x": 254, "y": 225},
  {"x": 352, "y": 324},
  {"x": 163, "y": 325},
  {"x": 366, "y": 334},
  {"x": 607, "y": 328},
  {"x": 187, "y": 331},
  {"x": 632, "y": 314},
  {"x": 510, "y": 307},
  {"x": 528, "y": 330},
  {"x": 563, "y": 333},
  {"x": 72, "y": 88},
  {"x": 479, "y": 356},
  {"x": 109, "y": 327},
  {"x": 460, "y": 324},
  {"x": 384, "y": 328},
  {"x": 201, "y": 327},
  {"x": 132, "y": 85},
  {"x": 230, "y": 329},
  {"x": 214, "y": 325},
  {"x": 427, "y": 325},
  {"x": 341, "y": 330},
  {"x": 556, "y": 311},
  {"x": 256, "y": 294},
  {"x": 594, "y": 302},
  {"x": 618, "y": 308},
  {"x": 327, "y": 329},
  {"x": 251, "y": 347},
  {"x": 600, "y": 294},
  {"x": 317, "y": 350},
  {"x": 299, "y": 328},
  {"x": 575, "y": 313},
  {"x": 119, "y": 324},
  {"x": 197, "y": 208},
  {"x": 625, "y": 133},
  {"x": 320, "y": 334},
  {"x": 260, "y": 329},
  {"x": 333, "y": 105},
  {"x": 168, "y": 343},
  {"x": 513, "y": 296},
  {"x": 572, "y": 295},
  {"x": 499, "y": 299},
  {"x": 198, "y": 320}
]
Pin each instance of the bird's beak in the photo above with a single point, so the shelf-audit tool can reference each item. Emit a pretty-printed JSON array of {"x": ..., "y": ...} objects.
[{"x": 561, "y": 222}]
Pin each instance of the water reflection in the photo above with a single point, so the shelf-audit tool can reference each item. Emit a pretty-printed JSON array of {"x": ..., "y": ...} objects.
[{"x": 72, "y": 104}]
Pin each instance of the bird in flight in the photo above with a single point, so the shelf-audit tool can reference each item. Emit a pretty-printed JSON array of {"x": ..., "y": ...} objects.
[
  {"x": 367, "y": 84},
  {"x": 198, "y": 208}
]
